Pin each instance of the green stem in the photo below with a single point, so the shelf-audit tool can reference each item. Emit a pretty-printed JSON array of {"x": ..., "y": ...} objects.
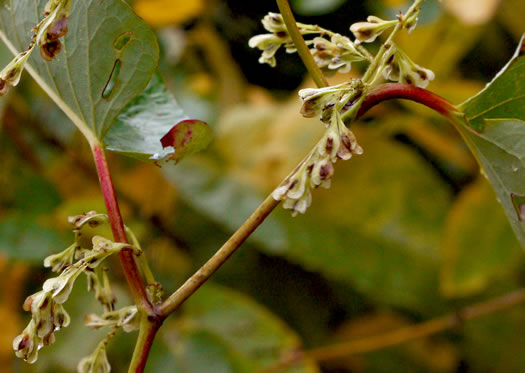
[
  {"x": 220, "y": 257},
  {"x": 300, "y": 45},
  {"x": 147, "y": 331}
]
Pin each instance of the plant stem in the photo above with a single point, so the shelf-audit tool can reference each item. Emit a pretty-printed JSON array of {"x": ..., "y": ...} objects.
[
  {"x": 117, "y": 227},
  {"x": 300, "y": 45},
  {"x": 391, "y": 91},
  {"x": 147, "y": 331},
  {"x": 150, "y": 319},
  {"x": 403, "y": 335},
  {"x": 220, "y": 257}
]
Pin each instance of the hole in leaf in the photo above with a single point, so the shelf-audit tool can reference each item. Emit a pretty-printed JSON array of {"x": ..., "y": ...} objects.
[
  {"x": 519, "y": 205},
  {"x": 112, "y": 81},
  {"x": 122, "y": 40}
]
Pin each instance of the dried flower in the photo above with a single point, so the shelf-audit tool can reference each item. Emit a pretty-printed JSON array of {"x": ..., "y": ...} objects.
[
  {"x": 97, "y": 362},
  {"x": 125, "y": 318},
  {"x": 53, "y": 27},
  {"x": 368, "y": 31},
  {"x": 48, "y": 314},
  {"x": 10, "y": 75}
]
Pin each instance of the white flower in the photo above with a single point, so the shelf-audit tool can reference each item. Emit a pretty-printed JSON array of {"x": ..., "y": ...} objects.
[{"x": 367, "y": 32}]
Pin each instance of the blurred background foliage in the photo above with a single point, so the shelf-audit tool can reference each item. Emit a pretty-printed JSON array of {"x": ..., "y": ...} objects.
[{"x": 408, "y": 231}]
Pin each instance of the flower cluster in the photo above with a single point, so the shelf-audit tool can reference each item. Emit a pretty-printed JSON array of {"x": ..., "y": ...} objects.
[
  {"x": 338, "y": 53},
  {"x": 323, "y": 101},
  {"x": 317, "y": 168},
  {"x": 338, "y": 142},
  {"x": 270, "y": 43},
  {"x": 47, "y": 35},
  {"x": 46, "y": 306},
  {"x": 338, "y": 104},
  {"x": 400, "y": 68}
]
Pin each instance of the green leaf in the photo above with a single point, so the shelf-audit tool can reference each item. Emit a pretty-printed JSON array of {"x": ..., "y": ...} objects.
[
  {"x": 378, "y": 228},
  {"x": 154, "y": 127},
  {"x": 502, "y": 98},
  {"x": 473, "y": 255},
  {"x": 494, "y": 128},
  {"x": 24, "y": 238},
  {"x": 229, "y": 331},
  {"x": 108, "y": 57}
]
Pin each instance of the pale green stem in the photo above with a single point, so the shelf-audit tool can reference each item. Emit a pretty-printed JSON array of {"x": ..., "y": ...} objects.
[
  {"x": 300, "y": 45},
  {"x": 147, "y": 331},
  {"x": 143, "y": 261}
]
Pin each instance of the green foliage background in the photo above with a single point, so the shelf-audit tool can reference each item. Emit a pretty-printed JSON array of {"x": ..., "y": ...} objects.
[{"x": 408, "y": 231}]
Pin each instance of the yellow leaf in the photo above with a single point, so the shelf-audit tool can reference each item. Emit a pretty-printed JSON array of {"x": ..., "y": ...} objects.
[
  {"x": 167, "y": 12},
  {"x": 472, "y": 12}
]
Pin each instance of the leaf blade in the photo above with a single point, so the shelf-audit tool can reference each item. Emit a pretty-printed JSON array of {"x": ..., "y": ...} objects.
[{"x": 80, "y": 73}]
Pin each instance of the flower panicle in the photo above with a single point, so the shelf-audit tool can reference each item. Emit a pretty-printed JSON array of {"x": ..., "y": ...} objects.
[{"x": 48, "y": 314}]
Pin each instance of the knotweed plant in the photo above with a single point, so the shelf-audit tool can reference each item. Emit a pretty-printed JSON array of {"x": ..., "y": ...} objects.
[
  {"x": 149, "y": 108},
  {"x": 338, "y": 106}
]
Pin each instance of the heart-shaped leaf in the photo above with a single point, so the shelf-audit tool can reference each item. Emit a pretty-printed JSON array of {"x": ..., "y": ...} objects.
[
  {"x": 494, "y": 128},
  {"x": 108, "y": 57},
  {"x": 154, "y": 127}
]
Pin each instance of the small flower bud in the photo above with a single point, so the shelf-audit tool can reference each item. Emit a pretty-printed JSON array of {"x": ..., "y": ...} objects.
[
  {"x": 367, "y": 32},
  {"x": 411, "y": 22}
]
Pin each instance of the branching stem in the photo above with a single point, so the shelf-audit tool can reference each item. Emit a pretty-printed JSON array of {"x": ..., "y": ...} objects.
[
  {"x": 404, "y": 335},
  {"x": 150, "y": 320}
]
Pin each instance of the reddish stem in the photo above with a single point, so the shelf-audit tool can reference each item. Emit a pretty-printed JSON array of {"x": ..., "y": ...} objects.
[
  {"x": 390, "y": 91},
  {"x": 136, "y": 284}
]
